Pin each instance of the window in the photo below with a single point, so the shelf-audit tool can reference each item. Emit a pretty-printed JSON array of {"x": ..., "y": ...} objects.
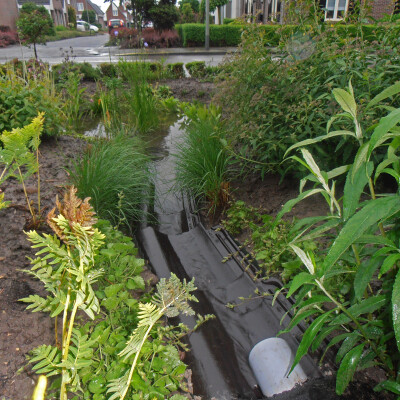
[
  {"x": 336, "y": 9},
  {"x": 115, "y": 10},
  {"x": 80, "y": 6}
]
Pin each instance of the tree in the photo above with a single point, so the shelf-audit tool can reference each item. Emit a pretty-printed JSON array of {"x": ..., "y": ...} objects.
[
  {"x": 193, "y": 3},
  {"x": 164, "y": 14},
  {"x": 33, "y": 24},
  {"x": 187, "y": 13},
  {"x": 89, "y": 16},
  {"x": 218, "y": 4},
  {"x": 72, "y": 16}
]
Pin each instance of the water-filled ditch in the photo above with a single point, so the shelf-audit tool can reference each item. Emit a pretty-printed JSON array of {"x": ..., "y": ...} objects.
[{"x": 175, "y": 240}]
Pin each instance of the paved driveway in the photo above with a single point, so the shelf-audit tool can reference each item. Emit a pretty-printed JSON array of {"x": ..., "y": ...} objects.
[{"x": 92, "y": 49}]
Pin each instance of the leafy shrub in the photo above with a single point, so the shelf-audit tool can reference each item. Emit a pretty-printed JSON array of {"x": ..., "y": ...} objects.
[
  {"x": 202, "y": 163},
  {"x": 276, "y": 102},
  {"x": 176, "y": 70},
  {"x": 8, "y": 38},
  {"x": 227, "y": 21},
  {"x": 132, "y": 38},
  {"x": 196, "y": 69},
  {"x": 362, "y": 250},
  {"x": 22, "y": 97},
  {"x": 89, "y": 72},
  {"x": 114, "y": 174},
  {"x": 86, "y": 71},
  {"x": 108, "y": 69},
  {"x": 60, "y": 28}
]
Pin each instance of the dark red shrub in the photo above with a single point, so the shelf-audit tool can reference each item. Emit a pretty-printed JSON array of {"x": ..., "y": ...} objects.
[
  {"x": 150, "y": 38},
  {"x": 8, "y": 38}
]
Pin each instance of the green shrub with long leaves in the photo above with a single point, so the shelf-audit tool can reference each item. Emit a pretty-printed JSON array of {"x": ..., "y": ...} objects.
[
  {"x": 202, "y": 163},
  {"x": 23, "y": 95},
  {"x": 115, "y": 175},
  {"x": 272, "y": 101},
  {"x": 363, "y": 248}
]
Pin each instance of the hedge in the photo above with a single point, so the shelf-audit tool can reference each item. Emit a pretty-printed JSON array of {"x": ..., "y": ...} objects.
[{"x": 192, "y": 35}]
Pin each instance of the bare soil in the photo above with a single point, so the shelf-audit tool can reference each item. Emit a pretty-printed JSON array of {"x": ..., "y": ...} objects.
[{"x": 190, "y": 89}]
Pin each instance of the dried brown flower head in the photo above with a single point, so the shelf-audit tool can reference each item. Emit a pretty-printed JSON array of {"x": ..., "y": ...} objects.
[{"x": 74, "y": 210}]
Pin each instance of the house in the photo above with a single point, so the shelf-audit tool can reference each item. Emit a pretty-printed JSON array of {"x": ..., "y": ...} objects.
[
  {"x": 56, "y": 8},
  {"x": 119, "y": 11},
  {"x": 9, "y": 13},
  {"x": 87, "y": 5},
  {"x": 274, "y": 10}
]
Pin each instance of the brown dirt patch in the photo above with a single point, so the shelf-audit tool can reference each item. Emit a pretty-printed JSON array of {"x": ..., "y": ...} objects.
[{"x": 190, "y": 89}]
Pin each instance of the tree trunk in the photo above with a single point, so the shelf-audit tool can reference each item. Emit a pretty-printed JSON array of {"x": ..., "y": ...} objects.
[{"x": 34, "y": 49}]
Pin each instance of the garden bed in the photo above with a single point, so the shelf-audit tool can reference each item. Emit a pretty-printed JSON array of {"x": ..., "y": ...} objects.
[{"x": 20, "y": 329}]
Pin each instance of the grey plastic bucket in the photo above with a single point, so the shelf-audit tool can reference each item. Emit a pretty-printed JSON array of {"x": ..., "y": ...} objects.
[{"x": 271, "y": 360}]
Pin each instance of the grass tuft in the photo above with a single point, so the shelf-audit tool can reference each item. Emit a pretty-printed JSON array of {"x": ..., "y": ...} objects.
[{"x": 115, "y": 174}]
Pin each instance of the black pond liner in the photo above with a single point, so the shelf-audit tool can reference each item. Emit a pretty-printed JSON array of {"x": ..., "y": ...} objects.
[{"x": 179, "y": 243}]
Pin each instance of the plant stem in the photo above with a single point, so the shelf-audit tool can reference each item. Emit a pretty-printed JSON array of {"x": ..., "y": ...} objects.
[
  {"x": 359, "y": 326},
  {"x": 38, "y": 180},
  {"x": 137, "y": 357},
  {"x": 26, "y": 196},
  {"x": 63, "y": 392},
  {"x": 372, "y": 191}
]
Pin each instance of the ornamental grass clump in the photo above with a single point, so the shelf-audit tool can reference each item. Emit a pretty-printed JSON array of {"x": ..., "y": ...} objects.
[
  {"x": 203, "y": 165},
  {"x": 115, "y": 174}
]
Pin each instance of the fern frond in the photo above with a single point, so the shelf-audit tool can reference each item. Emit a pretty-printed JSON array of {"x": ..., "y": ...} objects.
[
  {"x": 38, "y": 303},
  {"x": 46, "y": 360},
  {"x": 117, "y": 386},
  {"x": 172, "y": 298}
]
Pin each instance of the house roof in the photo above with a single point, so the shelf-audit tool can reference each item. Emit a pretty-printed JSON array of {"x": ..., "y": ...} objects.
[{"x": 96, "y": 8}]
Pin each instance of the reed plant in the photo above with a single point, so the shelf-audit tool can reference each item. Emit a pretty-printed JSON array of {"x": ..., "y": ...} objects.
[
  {"x": 203, "y": 165},
  {"x": 114, "y": 174}
]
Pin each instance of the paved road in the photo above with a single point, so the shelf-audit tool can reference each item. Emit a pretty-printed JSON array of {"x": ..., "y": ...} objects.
[{"x": 93, "y": 50}]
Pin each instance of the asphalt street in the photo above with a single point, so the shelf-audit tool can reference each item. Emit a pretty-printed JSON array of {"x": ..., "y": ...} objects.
[{"x": 94, "y": 50}]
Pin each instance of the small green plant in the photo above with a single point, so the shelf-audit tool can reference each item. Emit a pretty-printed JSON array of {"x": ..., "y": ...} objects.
[
  {"x": 171, "y": 299},
  {"x": 196, "y": 69},
  {"x": 268, "y": 243},
  {"x": 203, "y": 166},
  {"x": 19, "y": 158},
  {"x": 115, "y": 175},
  {"x": 73, "y": 93},
  {"x": 25, "y": 90},
  {"x": 364, "y": 251}
]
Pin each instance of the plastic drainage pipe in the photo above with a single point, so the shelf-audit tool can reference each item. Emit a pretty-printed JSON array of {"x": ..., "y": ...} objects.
[{"x": 271, "y": 360}]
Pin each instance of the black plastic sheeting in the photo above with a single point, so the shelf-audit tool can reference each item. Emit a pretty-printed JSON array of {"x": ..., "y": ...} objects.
[{"x": 179, "y": 243}]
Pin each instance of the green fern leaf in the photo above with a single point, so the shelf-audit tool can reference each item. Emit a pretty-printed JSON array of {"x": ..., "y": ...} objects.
[{"x": 46, "y": 360}]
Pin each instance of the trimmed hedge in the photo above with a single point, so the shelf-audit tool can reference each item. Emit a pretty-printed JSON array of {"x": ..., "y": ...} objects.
[
  {"x": 220, "y": 35},
  {"x": 192, "y": 35},
  {"x": 227, "y": 21}
]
